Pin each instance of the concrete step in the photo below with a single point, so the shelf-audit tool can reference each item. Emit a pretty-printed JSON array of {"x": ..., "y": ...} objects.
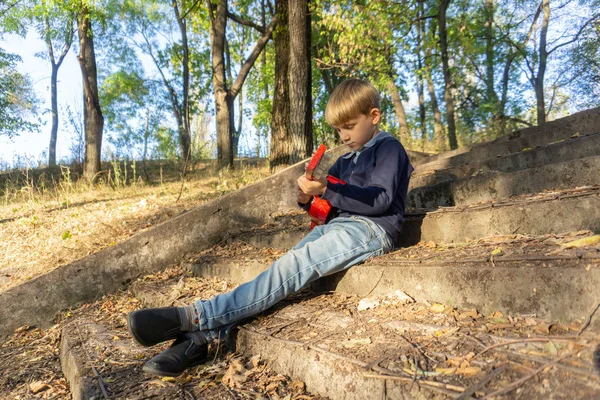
[
  {"x": 552, "y": 212},
  {"x": 581, "y": 123},
  {"x": 571, "y": 210},
  {"x": 514, "y": 273},
  {"x": 380, "y": 349},
  {"x": 567, "y": 150},
  {"x": 100, "y": 360},
  {"x": 446, "y": 189}
]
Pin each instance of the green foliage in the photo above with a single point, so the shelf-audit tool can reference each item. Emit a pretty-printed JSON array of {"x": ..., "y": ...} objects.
[{"x": 18, "y": 101}]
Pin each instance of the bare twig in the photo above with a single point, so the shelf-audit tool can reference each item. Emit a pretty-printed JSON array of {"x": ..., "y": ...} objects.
[
  {"x": 584, "y": 327},
  {"x": 377, "y": 284},
  {"x": 508, "y": 343},
  {"x": 100, "y": 383},
  {"x": 424, "y": 382},
  {"x": 495, "y": 372},
  {"x": 518, "y": 383}
]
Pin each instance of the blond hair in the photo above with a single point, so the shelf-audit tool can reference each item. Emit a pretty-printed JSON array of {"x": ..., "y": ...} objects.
[{"x": 350, "y": 99}]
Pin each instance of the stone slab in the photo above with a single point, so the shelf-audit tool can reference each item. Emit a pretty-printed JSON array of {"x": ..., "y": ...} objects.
[
  {"x": 567, "y": 150},
  {"x": 537, "y": 215},
  {"x": 560, "y": 289},
  {"x": 495, "y": 185},
  {"x": 515, "y": 287},
  {"x": 325, "y": 373},
  {"x": 557, "y": 212},
  {"x": 584, "y": 122}
]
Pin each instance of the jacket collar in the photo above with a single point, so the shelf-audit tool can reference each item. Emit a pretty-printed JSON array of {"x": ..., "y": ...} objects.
[{"x": 380, "y": 136}]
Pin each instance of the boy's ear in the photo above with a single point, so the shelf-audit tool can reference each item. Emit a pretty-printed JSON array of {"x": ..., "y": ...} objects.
[{"x": 375, "y": 115}]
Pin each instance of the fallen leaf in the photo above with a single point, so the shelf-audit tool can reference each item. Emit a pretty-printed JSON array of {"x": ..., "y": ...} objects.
[
  {"x": 38, "y": 386},
  {"x": 437, "y": 308},
  {"x": 298, "y": 386},
  {"x": 584, "y": 242},
  {"x": 551, "y": 348},
  {"x": 468, "y": 371},
  {"x": 367, "y": 303},
  {"x": 543, "y": 328},
  {"x": 400, "y": 297},
  {"x": 497, "y": 252}
]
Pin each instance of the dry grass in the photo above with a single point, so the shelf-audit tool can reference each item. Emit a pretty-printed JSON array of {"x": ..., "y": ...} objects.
[{"x": 45, "y": 225}]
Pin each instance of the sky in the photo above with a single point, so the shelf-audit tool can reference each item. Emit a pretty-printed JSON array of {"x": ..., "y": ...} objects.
[{"x": 30, "y": 146}]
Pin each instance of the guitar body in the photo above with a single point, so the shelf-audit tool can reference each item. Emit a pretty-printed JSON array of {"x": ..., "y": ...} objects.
[{"x": 320, "y": 209}]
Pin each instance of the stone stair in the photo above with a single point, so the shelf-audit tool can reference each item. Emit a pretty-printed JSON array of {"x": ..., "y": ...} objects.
[
  {"x": 356, "y": 343},
  {"x": 499, "y": 256},
  {"x": 500, "y": 261}
]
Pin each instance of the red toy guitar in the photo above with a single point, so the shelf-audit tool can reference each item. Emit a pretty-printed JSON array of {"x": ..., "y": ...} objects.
[{"x": 317, "y": 167}]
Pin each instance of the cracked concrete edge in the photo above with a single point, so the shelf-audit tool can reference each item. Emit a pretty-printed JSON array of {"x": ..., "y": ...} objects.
[
  {"x": 495, "y": 185},
  {"x": 568, "y": 150},
  {"x": 37, "y": 301},
  {"x": 324, "y": 372},
  {"x": 536, "y": 218},
  {"x": 81, "y": 385},
  {"x": 515, "y": 287},
  {"x": 583, "y": 122}
]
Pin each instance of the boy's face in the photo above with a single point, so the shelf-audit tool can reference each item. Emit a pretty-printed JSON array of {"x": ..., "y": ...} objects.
[{"x": 357, "y": 131}]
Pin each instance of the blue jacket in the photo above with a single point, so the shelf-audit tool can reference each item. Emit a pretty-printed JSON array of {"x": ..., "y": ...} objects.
[{"x": 376, "y": 186}]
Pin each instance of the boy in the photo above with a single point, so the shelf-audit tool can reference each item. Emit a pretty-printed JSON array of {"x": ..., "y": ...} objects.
[{"x": 368, "y": 217}]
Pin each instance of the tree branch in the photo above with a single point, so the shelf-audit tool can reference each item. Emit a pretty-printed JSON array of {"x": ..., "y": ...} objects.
[
  {"x": 190, "y": 10},
  {"x": 595, "y": 17},
  {"x": 9, "y": 7},
  {"x": 260, "y": 44},
  {"x": 245, "y": 22}
]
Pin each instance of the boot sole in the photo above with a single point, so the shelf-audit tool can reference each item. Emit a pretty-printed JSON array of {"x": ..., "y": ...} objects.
[{"x": 155, "y": 371}]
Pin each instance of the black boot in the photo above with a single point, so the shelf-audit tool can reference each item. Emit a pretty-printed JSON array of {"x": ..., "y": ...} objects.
[
  {"x": 182, "y": 354},
  {"x": 150, "y": 326}
]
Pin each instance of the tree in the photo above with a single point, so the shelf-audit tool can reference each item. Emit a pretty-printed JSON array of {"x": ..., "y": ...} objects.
[
  {"x": 18, "y": 101},
  {"x": 92, "y": 113},
  {"x": 291, "y": 138},
  {"x": 224, "y": 94},
  {"x": 448, "y": 83},
  {"x": 57, "y": 25}
]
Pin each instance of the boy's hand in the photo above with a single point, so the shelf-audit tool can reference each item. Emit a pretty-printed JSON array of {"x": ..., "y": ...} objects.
[
  {"x": 302, "y": 197},
  {"x": 316, "y": 187}
]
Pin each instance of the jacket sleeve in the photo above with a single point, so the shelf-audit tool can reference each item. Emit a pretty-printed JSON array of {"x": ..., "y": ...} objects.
[{"x": 376, "y": 197}]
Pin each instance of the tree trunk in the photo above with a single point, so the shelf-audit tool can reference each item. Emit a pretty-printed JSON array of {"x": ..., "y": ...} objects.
[
  {"x": 420, "y": 83},
  {"x": 492, "y": 98},
  {"x": 224, "y": 97},
  {"x": 543, "y": 56},
  {"x": 92, "y": 114},
  {"x": 280, "y": 123},
  {"x": 448, "y": 84},
  {"x": 185, "y": 138},
  {"x": 300, "y": 140},
  {"x": 54, "y": 105},
  {"x": 55, "y": 65},
  {"x": 217, "y": 39},
  {"x": 399, "y": 108},
  {"x": 438, "y": 128}
]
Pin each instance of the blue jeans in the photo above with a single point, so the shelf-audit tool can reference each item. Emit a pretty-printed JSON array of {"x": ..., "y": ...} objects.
[{"x": 327, "y": 249}]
